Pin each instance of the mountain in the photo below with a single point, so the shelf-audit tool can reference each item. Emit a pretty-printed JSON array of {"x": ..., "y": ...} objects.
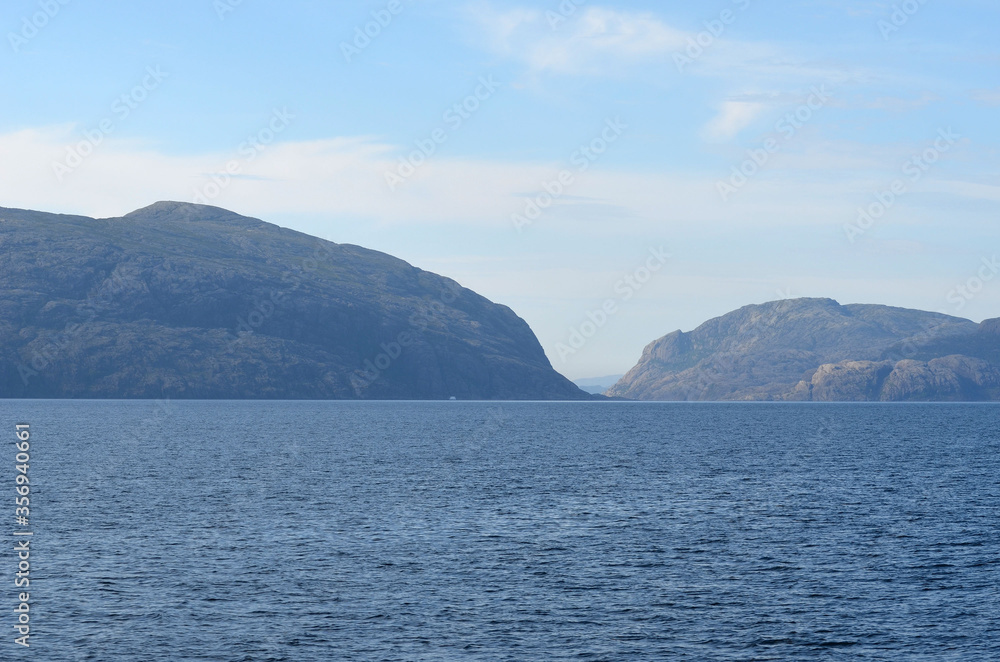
[
  {"x": 817, "y": 349},
  {"x": 597, "y": 385},
  {"x": 189, "y": 301}
]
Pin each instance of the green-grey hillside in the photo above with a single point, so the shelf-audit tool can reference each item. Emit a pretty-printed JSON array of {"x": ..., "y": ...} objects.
[
  {"x": 189, "y": 301},
  {"x": 817, "y": 349}
]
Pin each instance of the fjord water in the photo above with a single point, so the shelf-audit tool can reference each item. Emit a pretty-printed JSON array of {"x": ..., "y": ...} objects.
[{"x": 510, "y": 531}]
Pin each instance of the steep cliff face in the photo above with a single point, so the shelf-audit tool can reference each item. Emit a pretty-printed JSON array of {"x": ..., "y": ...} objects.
[
  {"x": 188, "y": 301},
  {"x": 949, "y": 378},
  {"x": 817, "y": 349}
]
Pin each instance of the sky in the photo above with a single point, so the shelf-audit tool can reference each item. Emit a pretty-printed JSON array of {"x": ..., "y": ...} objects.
[{"x": 612, "y": 171}]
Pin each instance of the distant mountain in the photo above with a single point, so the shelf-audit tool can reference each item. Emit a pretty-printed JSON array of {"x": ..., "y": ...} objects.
[
  {"x": 817, "y": 349},
  {"x": 187, "y": 301},
  {"x": 596, "y": 385}
]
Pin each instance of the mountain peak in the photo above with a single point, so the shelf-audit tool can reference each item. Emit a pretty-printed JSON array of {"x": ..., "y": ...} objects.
[
  {"x": 179, "y": 300},
  {"x": 990, "y": 326},
  {"x": 771, "y": 351},
  {"x": 800, "y": 303},
  {"x": 168, "y": 210}
]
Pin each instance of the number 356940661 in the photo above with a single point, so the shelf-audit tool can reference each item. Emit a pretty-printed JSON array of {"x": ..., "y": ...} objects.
[{"x": 22, "y": 458}]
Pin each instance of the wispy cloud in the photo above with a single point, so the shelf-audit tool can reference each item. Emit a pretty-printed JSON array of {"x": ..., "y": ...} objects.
[
  {"x": 343, "y": 178},
  {"x": 970, "y": 190},
  {"x": 594, "y": 40},
  {"x": 988, "y": 97},
  {"x": 601, "y": 41},
  {"x": 853, "y": 8},
  {"x": 900, "y": 104},
  {"x": 733, "y": 117}
]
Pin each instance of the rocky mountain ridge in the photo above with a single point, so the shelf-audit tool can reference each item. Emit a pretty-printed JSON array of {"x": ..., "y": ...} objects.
[
  {"x": 819, "y": 350},
  {"x": 189, "y": 301}
]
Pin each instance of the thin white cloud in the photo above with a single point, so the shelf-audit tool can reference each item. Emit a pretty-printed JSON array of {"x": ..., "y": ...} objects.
[
  {"x": 988, "y": 97},
  {"x": 899, "y": 104},
  {"x": 593, "y": 40},
  {"x": 733, "y": 117},
  {"x": 600, "y": 41},
  {"x": 344, "y": 178},
  {"x": 969, "y": 190},
  {"x": 854, "y": 8}
]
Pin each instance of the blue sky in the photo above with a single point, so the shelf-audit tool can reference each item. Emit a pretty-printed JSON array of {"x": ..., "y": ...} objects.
[{"x": 107, "y": 107}]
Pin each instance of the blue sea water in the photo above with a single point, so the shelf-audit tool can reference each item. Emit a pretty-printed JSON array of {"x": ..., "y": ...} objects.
[{"x": 303, "y": 531}]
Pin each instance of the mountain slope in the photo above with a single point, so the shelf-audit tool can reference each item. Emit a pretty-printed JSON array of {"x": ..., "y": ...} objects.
[
  {"x": 189, "y": 301},
  {"x": 817, "y": 349}
]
